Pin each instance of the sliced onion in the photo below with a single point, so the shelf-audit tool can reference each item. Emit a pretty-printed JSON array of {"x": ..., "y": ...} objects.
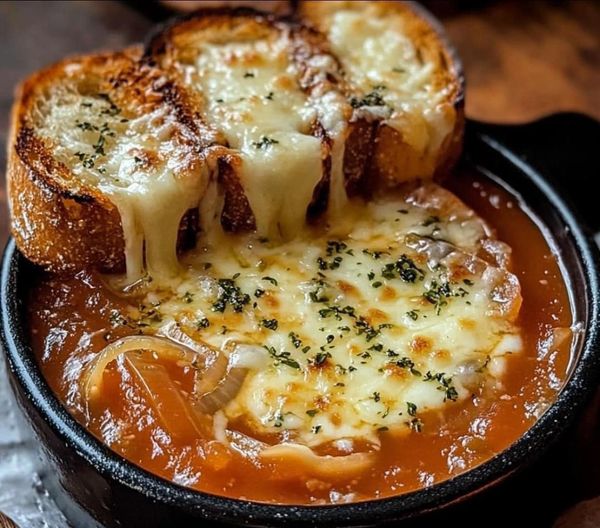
[
  {"x": 241, "y": 359},
  {"x": 166, "y": 399},
  {"x": 91, "y": 381},
  {"x": 223, "y": 393},
  {"x": 217, "y": 379},
  {"x": 212, "y": 363},
  {"x": 325, "y": 466}
]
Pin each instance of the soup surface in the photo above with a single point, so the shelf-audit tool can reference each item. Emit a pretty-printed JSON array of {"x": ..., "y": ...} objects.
[{"x": 393, "y": 350}]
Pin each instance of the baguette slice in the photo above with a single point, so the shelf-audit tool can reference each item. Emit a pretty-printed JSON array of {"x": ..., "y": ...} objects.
[
  {"x": 101, "y": 148},
  {"x": 407, "y": 88},
  {"x": 271, "y": 88}
]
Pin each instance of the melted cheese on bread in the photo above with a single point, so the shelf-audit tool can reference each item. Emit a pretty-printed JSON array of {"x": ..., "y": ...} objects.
[
  {"x": 364, "y": 326},
  {"x": 137, "y": 158},
  {"x": 253, "y": 95},
  {"x": 393, "y": 81}
]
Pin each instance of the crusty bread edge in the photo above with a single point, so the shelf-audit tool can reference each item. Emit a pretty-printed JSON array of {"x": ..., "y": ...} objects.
[
  {"x": 54, "y": 226},
  {"x": 394, "y": 161}
]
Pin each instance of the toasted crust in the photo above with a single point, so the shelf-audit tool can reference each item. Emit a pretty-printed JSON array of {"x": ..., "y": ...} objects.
[
  {"x": 58, "y": 221},
  {"x": 63, "y": 224},
  {"x": 391, "y": 159},
  {"x": 175, "y": 45}
]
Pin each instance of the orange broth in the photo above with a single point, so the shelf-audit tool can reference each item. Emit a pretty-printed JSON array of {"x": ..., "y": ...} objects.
[{"x": 69, "y": 318}]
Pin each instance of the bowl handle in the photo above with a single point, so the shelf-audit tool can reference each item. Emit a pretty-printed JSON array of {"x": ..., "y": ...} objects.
[{"x": 565, "y": 148}]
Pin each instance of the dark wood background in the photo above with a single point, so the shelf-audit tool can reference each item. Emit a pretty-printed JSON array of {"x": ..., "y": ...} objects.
[{"x": 522, "y": 60}]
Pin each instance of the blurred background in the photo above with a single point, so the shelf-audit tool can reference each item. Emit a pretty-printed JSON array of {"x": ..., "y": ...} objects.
[{"x": 522, "y": 60}]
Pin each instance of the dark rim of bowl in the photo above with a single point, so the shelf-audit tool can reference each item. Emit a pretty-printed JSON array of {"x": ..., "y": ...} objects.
[{"x": 112, "y": 466}]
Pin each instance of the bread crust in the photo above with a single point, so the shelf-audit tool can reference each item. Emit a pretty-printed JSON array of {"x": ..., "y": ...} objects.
[
  {"x": 58, "y": 222},
  {"x": 64, "y": 225},
  {"x": 391, "y": 160},
  {"x": 172, "y": 44}
]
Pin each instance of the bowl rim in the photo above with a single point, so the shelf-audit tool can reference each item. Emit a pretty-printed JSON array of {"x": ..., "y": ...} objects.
[{"x": 114, "y": 467}]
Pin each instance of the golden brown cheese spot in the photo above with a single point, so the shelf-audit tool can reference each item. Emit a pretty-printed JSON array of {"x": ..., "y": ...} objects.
[
  {"x": 320, "y": 366},
  {"x": 421, "y": 345},
  {"x": 271, "y": 300},
  {"x": 396, "y": 372},
  {"x": 284, "y": 82},
  {"x": 336, "y": 419},
  {"x": 467, "y": 324},
  {"x": 442, "y": 355},
  {"x": 376, "y": 316},
  {"x": 321, "y": 402},
  {"x": 388, "y": 294},
  {"x": 347, "y": 288}
]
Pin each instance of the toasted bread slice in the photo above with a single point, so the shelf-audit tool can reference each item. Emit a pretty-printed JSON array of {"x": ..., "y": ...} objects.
[
  {"x": 250, "y": 116},
  {"x": 406, "y": 83},
  {"x": 99, "y": 142},
  {"x": 271, "y": 88}
]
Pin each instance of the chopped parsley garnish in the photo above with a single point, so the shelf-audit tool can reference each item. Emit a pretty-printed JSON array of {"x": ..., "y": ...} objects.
[
  {"x": 271, "y": 324},
  {"x": 337, "y": 311},
  {"x": 437, "y": 294},
  {"x": 376, "y": 397},
  {"x": 373, "y": 98},
  {"x": 318, "y": 295},
  {"x": 202, "y": 323},
  {"x": 316, "y": 429},
  {"x": 374, "y": 254},
  {"x": 320, "y": 358},
  {"x": 413, "y": 314},
  {"x": 404, "y": 268},
  {"x": 188, "y": 297},
  {"x": 333, "y": 264},
  {"x": 230, "y": 294},
  {"x": 296, "y": 341},
  {"x": 248, "y": 74},
  {"x": 269, "y": 96},
  {"x": 282, "y": 358},
  {"x": 335, "y": 246},
  {"x": 264, "y": 142},
  {"x": 444, "y": 384},
  {"x": 312, "y": 412},
  {"x": 370, "y": 332},
  {"x": 411, "y": 408},
  {"x": 407, "y": 363},
  {"x": 271, "y": 280},
  {"x": 259, "y": 292},
  {"x": 112, "y": 109}
]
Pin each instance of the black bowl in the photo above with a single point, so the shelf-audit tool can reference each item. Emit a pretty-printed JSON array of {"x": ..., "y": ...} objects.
[{"x": 96, "y": 487}]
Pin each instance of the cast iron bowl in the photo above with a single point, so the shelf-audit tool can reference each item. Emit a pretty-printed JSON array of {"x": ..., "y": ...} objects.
[{"x": 96, "y": 487}]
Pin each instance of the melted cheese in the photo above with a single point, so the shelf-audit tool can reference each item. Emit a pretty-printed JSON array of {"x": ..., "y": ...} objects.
[
  {"x": 253, "y": 96},
  {"x": 381, "y": 60},
  {"x": 367, "y": 326},
  {"x": 137, "y": 161}
]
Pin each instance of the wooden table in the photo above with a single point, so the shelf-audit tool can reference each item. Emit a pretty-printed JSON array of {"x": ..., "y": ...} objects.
[{"x": 522, "y": 60}]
